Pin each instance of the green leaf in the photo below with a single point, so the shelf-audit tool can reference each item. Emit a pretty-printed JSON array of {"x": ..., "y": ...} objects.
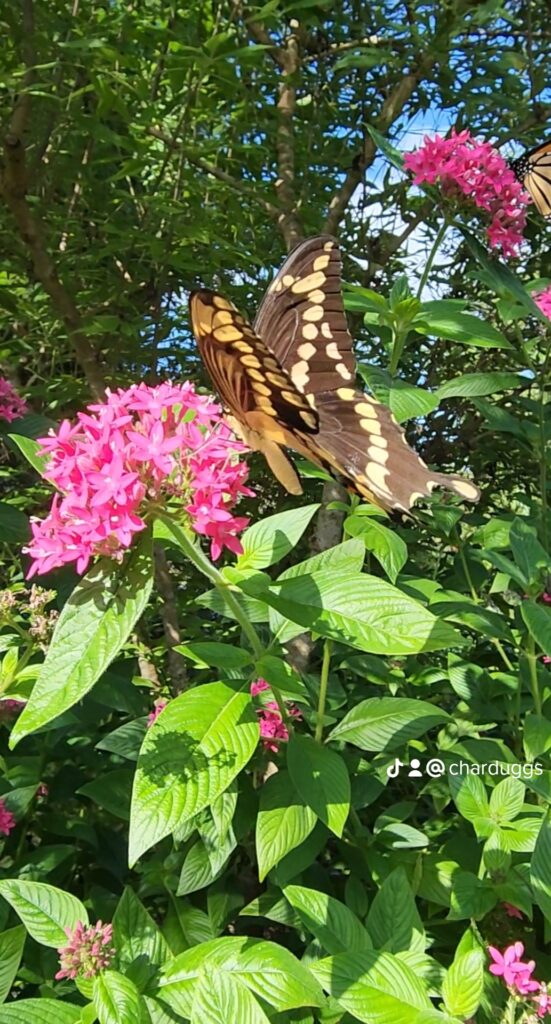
[
  {"x": 335, "y": 927},
  {"x": 271, "y": 539},
  {"x": 347, "y": 557},
  {"x": 189, "y": 756},
  {"x": 393, "y": 921},
  {"x": 464, "y": 984},
  {"x": 374, "y": 987},
  {"x": 393, "y": 155},
  {"x": 444, "y": 319},
  {"x": 198, "y": 870},
  {"x": 537, "y": 618},
  {"x": 117, "y": 1000},
  {"x": 501, "y": 277},
  {"x": 470, "y": 897},
  {"x": 477, "y": 385},
  {"x": 126, "y": 740},
  {"x": 385, "y": 723},
  {"x": 540, "y": 868},
  {"x": 407, "y": 401},
  {"x": 112, "y": 791},
  {"x": 359, "y": 610},
  {"x": 135, "y": 933},
  {"x": 389, "y": 549},
  {"x": 220, "y": 997},
  {"x": 14, "y": 524},
  {"x": 528, "y": 553},
  {"x": 11, "y": 950},
  {"x": 321, "y": 779},
  {"x": 94, "y": 624},
  {"x": 226, "y": 656},
  {"x": 40, "y": 1011},
  {"x": 44, "y": 910},
  {"x": 507, "y": 799},
  {"x": 30, "y": 448},
  {"x": 268, "y": 970},
  {"x": 284, "y": 821},
  {"x": 471, "y": 800}
]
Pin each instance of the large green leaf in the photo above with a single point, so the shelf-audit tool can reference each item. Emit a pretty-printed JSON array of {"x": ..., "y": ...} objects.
[
  {"x": 40, "y": 1011},
  {"x": 393, "y": 921},
  {"x": 135, "y": 933},
  {"x": 446, "y": 320},
  {"x": 283, "y": 822},
  {"x": 385, "y": 723},
  {"x": 530, "y": 556},
  {"x": 389, "y": 549},
  {"x": 359, "y": 610},
  {"x": 44, "y": 910},
  {"x": 268, "y": 970},
  {"x": 335, "y": 927},
  {"x": 321, "y": 778},
  {"x": 30, "y": 449},
  {"x": 11, "y": 949},
  {"x": 189, "y": 756},
  {"x": 374, "y": 987},
  {"x": 537, "y": 617},
  {"x": 220, "y": 997},
  {"x": 477, "y": 385},
  {"x": 117, "y": 1000},
  {"x": 464, "y": 984},
  {"x": 502, "y": 278},
  {"x": 94, "y": 624},
  {"x": 272, "y": 538},
  {"x": 540, "y": 868}
]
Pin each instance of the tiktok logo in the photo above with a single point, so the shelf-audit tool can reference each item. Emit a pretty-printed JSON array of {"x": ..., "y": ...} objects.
[{"x": 393, "y": 769}]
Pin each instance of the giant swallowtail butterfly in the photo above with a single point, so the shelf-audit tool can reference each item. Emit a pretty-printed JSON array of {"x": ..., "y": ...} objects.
[{"x": 288, "y": 381}]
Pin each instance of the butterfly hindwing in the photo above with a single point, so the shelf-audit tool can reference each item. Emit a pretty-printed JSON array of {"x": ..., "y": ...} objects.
[
  {"x": 533, "y": 169},
  {"x": 302, "y": 318}
]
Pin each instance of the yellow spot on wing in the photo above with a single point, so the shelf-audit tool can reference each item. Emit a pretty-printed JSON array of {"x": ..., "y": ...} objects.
[
  {"x": 227, "y": 333},
  {"x": 310, "y": 331},
  {"x": 290, "y": 396},
  {"x": 305, "y": 284},
  {"x": 306, "y": 351},
  {"x": 366, "y": 409},
  {"x": 287, "y": 280},
  {"x": 347, "y": 394},
  {"x": 343, "y": 371},
  {"x": 221, "y": 303},
  {"x": 321, "y": 262},
  {"x": 313, "y": 313}
]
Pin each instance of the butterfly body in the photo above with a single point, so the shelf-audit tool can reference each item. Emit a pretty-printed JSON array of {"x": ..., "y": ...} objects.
[
  {"x": 289, "y": 382},
  {"x": 533, "y": 170}
]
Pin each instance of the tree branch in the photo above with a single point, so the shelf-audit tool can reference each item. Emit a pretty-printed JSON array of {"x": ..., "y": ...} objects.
[
  {"x": 390, "y": 111},
  {"x": 22, "y": 108},
  {"x": 289, "y": 223}
]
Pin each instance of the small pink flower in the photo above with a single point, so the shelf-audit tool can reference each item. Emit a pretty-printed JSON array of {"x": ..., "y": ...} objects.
[
  {"x": 543, "y": 1001},
  {"x": 512, "y": 911},
  {"x": 7, "y": 820},
  {"x": 508, "y": 963},
  {"x": 158, "y": 706},
  {"x": 546, "y": 658},
  {"x": 543, "y": 300},
  {"x": 546, "y": 598},
  {"x": 10, "y": 707},
  {"x": 12, "y": 406},
  {"x": 272, "y": 727},
  {"x": 465, "y": 167},
  {"x": 88, "y": 951},
  {"x": 140, "y": 449}
]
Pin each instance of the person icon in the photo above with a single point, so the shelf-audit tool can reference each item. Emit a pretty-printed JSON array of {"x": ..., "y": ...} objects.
[{"x": 415, "y": 764}]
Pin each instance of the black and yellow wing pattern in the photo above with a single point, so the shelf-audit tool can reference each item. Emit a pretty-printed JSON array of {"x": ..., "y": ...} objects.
[
  {"x": 290, "y": 381},
  {"x": 533, "y": 170}
]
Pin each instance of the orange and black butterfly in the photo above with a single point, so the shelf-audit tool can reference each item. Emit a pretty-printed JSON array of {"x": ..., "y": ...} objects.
[
  {"x": 533, "y": 170},
  {"x": 289, "y": 381}
]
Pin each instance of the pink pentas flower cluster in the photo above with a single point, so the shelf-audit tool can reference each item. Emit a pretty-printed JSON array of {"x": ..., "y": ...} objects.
[
  {"x": 476, "y": 170},
  {"x": 543, "y": 300},
  {"x": 129, "y": 456},
  {"x": 7, "y": 820},
  {"x": 12, "y": 406},
  {"x": 272, "y": 727},
  {"x": 517, "y": 975},
  {"x": 88, "y": 951}
]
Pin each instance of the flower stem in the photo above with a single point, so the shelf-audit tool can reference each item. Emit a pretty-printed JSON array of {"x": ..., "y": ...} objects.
[
  {"x": 432, "y": 256},
  {"x": 324, "y": 680},
  {"x": 533, "y": 669},
  {"x": 467, "y": 574},
  {"x": 196, "y": 555}
]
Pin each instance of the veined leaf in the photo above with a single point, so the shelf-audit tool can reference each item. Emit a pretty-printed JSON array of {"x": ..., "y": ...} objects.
[{"x": 44, "y": 910}]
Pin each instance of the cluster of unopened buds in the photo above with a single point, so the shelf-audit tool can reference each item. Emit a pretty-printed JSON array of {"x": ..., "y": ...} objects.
[
  {"x": 41, "y": 623},
  {"x": 272, "y": 726},
  {"x": 475, "y": 170},
  {"x": 517, "y": 976},
  {"x": 89, "y": 951},
  {"x": 142, "y": 451}
]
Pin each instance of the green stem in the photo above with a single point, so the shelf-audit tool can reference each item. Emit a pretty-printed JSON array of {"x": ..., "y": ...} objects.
[
  {"x": 543, "y": 445},
  {"x": 432, "y": 256},
  {"x": 324, "y": 680},
  {"x": 467, "y": 573},
  {"x": 397, "y": 349},
  {"x": 510, "y": 1014},
  {"x": 533, "y": 669},
  {"x": 197, "y": 556}
]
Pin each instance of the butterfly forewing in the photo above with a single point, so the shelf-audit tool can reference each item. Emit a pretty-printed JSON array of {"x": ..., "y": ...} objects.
[
  {"x": 533, "y": 169},
  {"x": 302, "y": 318}
]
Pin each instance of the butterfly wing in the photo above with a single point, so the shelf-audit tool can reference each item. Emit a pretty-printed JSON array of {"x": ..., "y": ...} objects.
[
  {"x": 533, "y": 169},
  {"x": 302, "y": 321},
  {"x": 259, "y": 394}
]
